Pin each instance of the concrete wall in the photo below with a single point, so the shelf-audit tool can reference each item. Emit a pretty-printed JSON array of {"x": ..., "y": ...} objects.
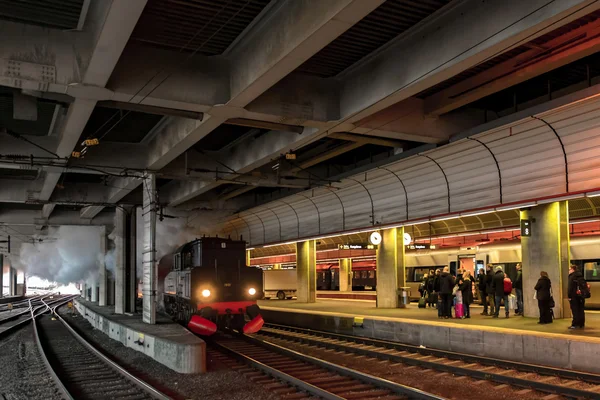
[
  {"x": 184, "y": 358},
  {"x": 563, "y": 351}
]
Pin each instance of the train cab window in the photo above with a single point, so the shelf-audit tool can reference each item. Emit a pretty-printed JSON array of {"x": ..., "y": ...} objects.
[{"x": 590, "y": 269}]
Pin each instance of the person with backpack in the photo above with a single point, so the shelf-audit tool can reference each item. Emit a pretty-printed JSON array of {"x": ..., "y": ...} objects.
[
  {"x": 489, "y": 279},
  {"x": 431, "y": 301},
  {"x": 446, "y": 286},
  {"x": 499, "y": 290},
  {"x": 577, "y": 292}
]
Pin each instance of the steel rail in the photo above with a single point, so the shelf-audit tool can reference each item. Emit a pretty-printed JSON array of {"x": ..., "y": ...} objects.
[
  {"x": 138, "y": 382},
  {"x": 387, "y": 345},
  {"x": 352, "y": 373},
  {"x": 299, "y": 383},
  {"x": 30, "y": 310}
]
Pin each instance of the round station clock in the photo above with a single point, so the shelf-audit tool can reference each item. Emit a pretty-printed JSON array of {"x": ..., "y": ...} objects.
[
  {"x": 407, "y": 238},
  {"x": 375, "y": 238}
]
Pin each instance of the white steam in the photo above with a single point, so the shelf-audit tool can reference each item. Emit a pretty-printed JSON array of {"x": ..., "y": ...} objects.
[{"x": 67, "y": 254}]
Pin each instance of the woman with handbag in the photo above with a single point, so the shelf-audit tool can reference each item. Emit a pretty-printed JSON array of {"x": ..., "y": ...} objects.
[{"x": 543, "y": 294}]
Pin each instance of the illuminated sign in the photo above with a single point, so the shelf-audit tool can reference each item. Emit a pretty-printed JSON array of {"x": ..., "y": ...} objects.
[
  {"x": 525, "y": 227},
  {"x": 420, "y": 246},
  {"x": 375, "y": 238},
  {"x": 407, "y": 238},
  {"x": 357, "y": 247}
]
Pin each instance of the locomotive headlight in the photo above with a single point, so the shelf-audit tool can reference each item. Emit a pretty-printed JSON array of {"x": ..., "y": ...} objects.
[
  {"x": 206, "y": 293},
  {"x": 252, "y": 291}
]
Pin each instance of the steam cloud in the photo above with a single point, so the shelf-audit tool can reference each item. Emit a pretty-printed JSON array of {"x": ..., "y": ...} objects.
[{"x": 67, "y": 254}]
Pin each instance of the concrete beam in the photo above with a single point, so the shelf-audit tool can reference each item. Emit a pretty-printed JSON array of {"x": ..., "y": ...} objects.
[
  {"x": 109, "y": 36},
  {"x": 327, "y": 155},
  {"x": 560, "y": 51},
  {"x": 32, "y": 218},
  {"x": 351, "y": 137},
  {"x": 242, "y": 159},
  {"x": 47, "y": 210},
  {"x": 286, "y": 38},
  {"x": 494, "y": 27}
]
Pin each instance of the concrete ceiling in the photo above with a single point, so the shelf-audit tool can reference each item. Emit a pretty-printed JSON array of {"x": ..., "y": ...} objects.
[{"x": 211, "y": 95}]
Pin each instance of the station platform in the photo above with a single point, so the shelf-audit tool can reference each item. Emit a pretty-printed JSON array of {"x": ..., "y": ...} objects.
[
  {"x": 516, "y": 338},
  {"x": 166, "y": 342},
  {"x": 11, "y": 299},
  {"x": 330, "y": 294}
]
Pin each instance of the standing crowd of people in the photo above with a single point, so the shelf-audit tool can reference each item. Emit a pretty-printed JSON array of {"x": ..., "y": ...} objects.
[{"x": 445, "y": 291}]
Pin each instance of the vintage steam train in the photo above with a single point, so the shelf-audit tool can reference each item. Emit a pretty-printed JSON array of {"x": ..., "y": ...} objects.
[{"x": 211, "y": 288}]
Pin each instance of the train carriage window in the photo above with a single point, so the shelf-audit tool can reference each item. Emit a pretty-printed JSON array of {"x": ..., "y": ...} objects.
[
  {"x": 590, "y": 269},
  {"x": 371, "y": 274},
  {"x": 356, "y": 274},
  {"x": 363, "y": 274}
]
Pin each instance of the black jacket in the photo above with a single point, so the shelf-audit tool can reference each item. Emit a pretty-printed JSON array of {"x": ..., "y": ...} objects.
[
  {"x": 481, "y": 282},
  {"x": 436, "y": 283},
  {"x": 446, "y": 283},
  {"x": 498, "y": 284},
  {"x": 576, "y": 282},
  {"x": 489, "y": 278},
  {"x": 430, "y": 283},
  {"x": 518, "y": 283},
  {"x": 466, "y": 287},
  {"x": 543, "y": 288}
]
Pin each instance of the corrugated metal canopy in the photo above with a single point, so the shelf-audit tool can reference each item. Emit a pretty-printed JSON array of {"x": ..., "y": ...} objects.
[
  {"x": 578, "y": 209},
  {"x": 493, "y": 168},
  {"x": 383, "y": 24},
  {"x": 208, "y": 25},
  {"x": 60, "y": 14}
]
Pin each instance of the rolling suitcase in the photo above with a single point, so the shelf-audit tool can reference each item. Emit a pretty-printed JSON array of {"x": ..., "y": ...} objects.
[
  {"x": 459, "y": 310},
  {"x": 422, "y": 302}
]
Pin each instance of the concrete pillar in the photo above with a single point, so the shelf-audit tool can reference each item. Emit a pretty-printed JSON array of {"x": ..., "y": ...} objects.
[
  {"x": 12, "y": 281},
  {"x": 83, "y": 290},
  {"x": 94, "y": 288},
  {"x": 1, "y": 275},
  {"x": 345, "y": 275},
  {"x": 390, "y": 267},
  {"x": 248, "y": 258},
  {"x": 276, "y": 266},
  {"x": 306, "y": 268},
  {"x": 149, "y": 260},
  {"x": 131, "y": 275},
  {"x": 120, "y": 259},
  {"x": 547, "y": 249},
  {"x": 102, "y": 279}
]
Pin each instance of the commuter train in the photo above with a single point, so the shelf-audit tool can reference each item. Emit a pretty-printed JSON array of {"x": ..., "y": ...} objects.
[
  {"x": 210, "y": 287},
  {"x": 585, "y": 253}
]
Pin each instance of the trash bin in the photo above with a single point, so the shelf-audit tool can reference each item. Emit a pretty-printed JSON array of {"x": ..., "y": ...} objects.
[{"x": 403, "y": 297}]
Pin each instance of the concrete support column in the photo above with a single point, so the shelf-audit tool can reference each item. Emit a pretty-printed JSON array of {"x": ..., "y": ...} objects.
[
  {"x": 276, "y": 266},
  {"x": 390, "y": 267},
  {"x": 94, "y": 289},
  {"x": 547, "y": 249},
  {"x": 149, "y": 260},
  {"x": 345, "y": 275},
  {"x": 120, "y": 259},
  {"x": 306, "y": 268},
  {"x": 248, "y": 258},
  {"x": 83, "y": 289},
  {"x": 12, "y": 281},
  {"x": 131, "y": 275},
  {"x": 102, "y": 279},
  {"x": 1, "y": 275}
]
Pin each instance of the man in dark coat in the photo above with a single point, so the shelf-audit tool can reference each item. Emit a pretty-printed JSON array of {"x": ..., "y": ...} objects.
[
  {"x": 498, "y": 290},
  {"x": 481, "y": 284},
  {"x": 518, "y": 285},
  {"x": 446, "y": 286},
  {"x": 577, "y": 285},
  {"x": 489, "y": 278}
]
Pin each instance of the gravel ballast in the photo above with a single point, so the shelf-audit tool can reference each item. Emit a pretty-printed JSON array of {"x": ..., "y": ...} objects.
[
  {"x": 218, "y": 383},
  {"x": 23, "y": 374}
]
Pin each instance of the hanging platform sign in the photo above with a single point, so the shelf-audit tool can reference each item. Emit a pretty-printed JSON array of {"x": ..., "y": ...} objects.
[
  {"x": 525, "y": 227},
  {"x": 357, "y": 247},
  {"x": 420, "y": 246}
]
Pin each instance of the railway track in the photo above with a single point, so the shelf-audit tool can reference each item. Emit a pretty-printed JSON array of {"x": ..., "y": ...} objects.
[
  {"x": 528, "y": 378},
  {"x": 10, "y": 321},
  {"x": 310, "y": 375},
  {"x": 79, "y": 370}
]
